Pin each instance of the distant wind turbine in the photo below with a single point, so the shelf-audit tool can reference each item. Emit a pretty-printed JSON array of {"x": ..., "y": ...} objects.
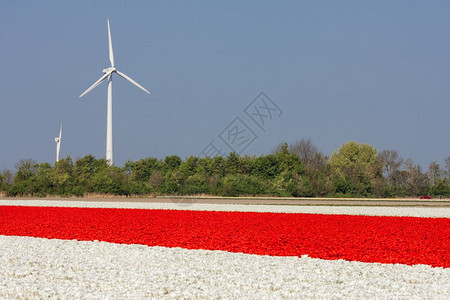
[
  {"x": 108, "y": 74},
  {"x": 58, "y": 142}
]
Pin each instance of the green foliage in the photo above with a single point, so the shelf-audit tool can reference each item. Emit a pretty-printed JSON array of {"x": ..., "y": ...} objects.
[
  {"x": 241, "y": 185},
  {"x": 111, "y": 180},
  {"x": 143, "y": 169},
  {"x": 173, "y": 183},
  {"x": 353, "y": 170},
  {"x": 189, "y": 166},
  {"x": 82, "y": 172},
  {"x": 232, "y": 164},
  {"x": 172, "y": 162},
  {"x": 217, "y": 166},
  {"x": 441, "y": 188},
  {"x": 195, "y": 184},
  {"x": 6, "y": 179},
  {"x": 26, "y": 170},
  {"x": 285, "y": 185},
  {"x": 265, "y": 166}
]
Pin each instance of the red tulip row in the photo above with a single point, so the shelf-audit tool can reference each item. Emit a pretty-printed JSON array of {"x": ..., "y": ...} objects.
[{"x": 405, "y": 240}]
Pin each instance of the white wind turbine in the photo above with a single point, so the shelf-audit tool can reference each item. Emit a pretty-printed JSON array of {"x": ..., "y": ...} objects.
[
  {"x": 58, "y": 142},
  {"x": 108, "y": 74}
]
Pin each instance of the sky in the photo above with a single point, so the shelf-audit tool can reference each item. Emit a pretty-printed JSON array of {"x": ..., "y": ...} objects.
[{"x": 375, "y": 72}]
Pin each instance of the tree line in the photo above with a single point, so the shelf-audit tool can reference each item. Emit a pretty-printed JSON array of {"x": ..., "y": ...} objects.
[{"x": 295, "y": 170}]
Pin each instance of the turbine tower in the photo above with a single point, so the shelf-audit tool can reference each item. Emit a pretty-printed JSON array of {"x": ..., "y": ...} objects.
[
  {"x": 108, "y": 75},
  {"x": 58, "y": 142}
]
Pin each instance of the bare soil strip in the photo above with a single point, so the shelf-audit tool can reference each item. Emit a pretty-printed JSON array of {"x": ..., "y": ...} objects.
[{"x": 262, "y": 201}]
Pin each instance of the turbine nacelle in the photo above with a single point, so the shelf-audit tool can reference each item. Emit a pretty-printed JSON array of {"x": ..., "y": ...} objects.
[
  {"x": 109, "y": 70},
  {"x": 56, "y": 139}
]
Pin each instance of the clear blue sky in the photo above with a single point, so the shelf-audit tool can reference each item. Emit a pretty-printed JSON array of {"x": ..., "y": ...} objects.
[{"x": 375, "y": 72}]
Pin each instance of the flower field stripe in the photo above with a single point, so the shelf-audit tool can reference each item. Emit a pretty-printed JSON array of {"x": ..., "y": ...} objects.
[
  {"x": 37, "y": 268},
  {"x": 423, "y": 212},
  {"x": 404, "y": 240}
]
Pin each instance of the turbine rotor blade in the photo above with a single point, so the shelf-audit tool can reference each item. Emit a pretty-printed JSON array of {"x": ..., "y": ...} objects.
[
  {"x": 95, "y": 84},
  {"x": 111, "y": 54},
  {"x": 132, "y": 81},
  {"x": 60, "y": 132}
]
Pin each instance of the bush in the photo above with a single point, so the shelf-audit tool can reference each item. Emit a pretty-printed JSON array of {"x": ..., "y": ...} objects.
[
  {"x": 241, "y": 185},
  {"x": 441, "y": 188}
]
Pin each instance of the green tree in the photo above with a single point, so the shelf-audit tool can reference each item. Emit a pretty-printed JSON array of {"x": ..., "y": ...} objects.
[
  {"x": 355, "y": 168},
  {"x": 142, "y": 169},
  {"x": 196, "y": 184},
  {"x": 189, "y": 166},
  {"x": 172, "y": 162},
  {"x": 265, "y": 166},
  {"x": 173, "y": 183},
  {"x": 26, "y": 169},
  {"x": 241, "y": 185},
  {"x": 288, "y": 161},
  {"x": 231, "y": 164},
  {"x": 83, "y": 172},
  {"x": 24, "y": 179},
  {"x": 62, "y": 177},
  {"x": 43, "y": 184},
  {"x": 441, "y": 188},
  {"x": 204, "y": 166},
  {"x": 218, "y": 167},
  {"x": 111, "y": 180}
]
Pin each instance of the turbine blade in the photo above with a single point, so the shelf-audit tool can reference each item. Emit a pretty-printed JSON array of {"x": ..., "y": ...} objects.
[
  {"x": 95, "y": 84},
  {"x": 111, "y": 54},
  {"x": 60, "y": 132},
  {"x": 132, "y": 81}
]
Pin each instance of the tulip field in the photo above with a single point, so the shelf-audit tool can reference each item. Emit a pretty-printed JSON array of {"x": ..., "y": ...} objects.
[{"x": 67, "y": 249}]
